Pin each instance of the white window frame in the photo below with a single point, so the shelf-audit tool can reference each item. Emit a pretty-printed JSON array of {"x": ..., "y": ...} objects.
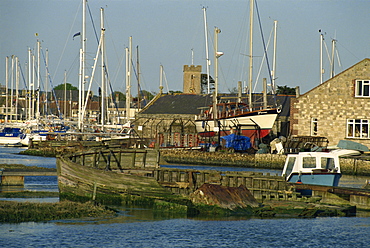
[
  {"x": 362, "y": 88},
  {"x": 358, "y": 128},
  {"x": 314, "y": 126}
]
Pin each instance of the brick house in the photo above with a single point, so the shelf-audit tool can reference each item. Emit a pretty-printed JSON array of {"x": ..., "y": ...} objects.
[{"x": 336, "y": 109}]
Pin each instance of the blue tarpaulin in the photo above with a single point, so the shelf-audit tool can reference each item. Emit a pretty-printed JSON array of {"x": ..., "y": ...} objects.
[{"x": 237, "y": 142}]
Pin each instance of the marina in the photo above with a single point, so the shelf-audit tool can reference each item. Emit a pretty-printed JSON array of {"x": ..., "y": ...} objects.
[
  {"x": 254, "y": 164},
  {"x": 176, "y": 230}
]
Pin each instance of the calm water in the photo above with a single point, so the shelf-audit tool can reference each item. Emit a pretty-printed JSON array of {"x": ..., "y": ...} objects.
[{"x": 143, "y": 228}]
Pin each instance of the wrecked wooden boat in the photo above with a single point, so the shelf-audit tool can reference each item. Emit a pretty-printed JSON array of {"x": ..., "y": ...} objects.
[
  {"x": 136, "y": 172},
  {"x": 134, "y": 176},
  {"x": 109, "y": 171}
]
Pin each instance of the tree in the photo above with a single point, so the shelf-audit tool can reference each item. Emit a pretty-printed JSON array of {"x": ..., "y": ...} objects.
[
  {"x": 147, "y": 95},
  {"x": 67, "y": 86},
  {"x": 119, "y": 96},
  {"x": 175, "y": 91},
  {"x": 285, "y": 90},
  {"x": 234, "y": 90}
]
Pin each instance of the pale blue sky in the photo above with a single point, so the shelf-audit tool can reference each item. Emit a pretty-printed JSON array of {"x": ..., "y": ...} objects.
[{"x": 167, "y": 30}]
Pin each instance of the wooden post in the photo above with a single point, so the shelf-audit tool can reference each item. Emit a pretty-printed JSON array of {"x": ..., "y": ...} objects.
[
  {"x": 12, "y": 181},
  {"x": 144, "y": 159},
  {"x": 94, "y": 192},
  {"x": 95, "y": 161},
  {"x": 133, "y": 157}
]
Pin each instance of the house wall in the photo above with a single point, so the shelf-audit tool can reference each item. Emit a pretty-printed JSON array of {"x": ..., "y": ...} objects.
[
  {"x": 166, "y": 129},
  {"x": 332, "y": 103}
]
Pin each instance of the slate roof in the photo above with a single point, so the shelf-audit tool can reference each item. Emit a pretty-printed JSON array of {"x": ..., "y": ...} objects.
[
  {"x": 190, "y": 104},
  {"x": 179, "y": 104}
]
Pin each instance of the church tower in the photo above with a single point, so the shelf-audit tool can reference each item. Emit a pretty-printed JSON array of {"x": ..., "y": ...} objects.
[{"x": 192, "y": 79}]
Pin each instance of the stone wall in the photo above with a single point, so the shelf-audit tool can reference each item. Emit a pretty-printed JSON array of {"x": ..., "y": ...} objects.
[
  {"x": 349, "y": 166},
  {"x": 332, "y": 103}
]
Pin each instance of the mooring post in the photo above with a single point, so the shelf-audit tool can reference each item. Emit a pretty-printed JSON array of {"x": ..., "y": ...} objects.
[
  {"x": 12, "y": 180},
  {"x": 94, "y": 192}
]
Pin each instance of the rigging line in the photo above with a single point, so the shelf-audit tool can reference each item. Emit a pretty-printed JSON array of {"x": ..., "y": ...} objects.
[
  {"x": 51, "y": 84},
  {"x": 106, "y": 23},
  {"x": 349, "y": 51},
  {"x": 93, "y": 23},
  {"x": 263, "y": 59},
  {"x": 105, "y": 66},
  {"x": 165, "y": 80},
  {"x": 24, "y": 80},
  {"x": 339, "y": 63},
  {"x": 327, "y": 52},
  {"x": 65, "y": 44},
  {"x": 264, "y": 46}
]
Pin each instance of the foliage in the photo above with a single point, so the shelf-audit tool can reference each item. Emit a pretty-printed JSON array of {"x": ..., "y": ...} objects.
[
  {"x": 147, "y": 95},
  {"x": 174, "y": 92},
  {"x": 204, "y": 82},
  {"x": 16, "y": 212},
  {"x": 119, "y": 96},
  {"x": 66, "y": 86},
  {"x": 285, "y": 90},
  {"x": 233, "y": 90}
]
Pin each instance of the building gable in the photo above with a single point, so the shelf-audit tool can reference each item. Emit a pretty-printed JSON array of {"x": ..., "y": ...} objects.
[{"x": 326, "y": 109}]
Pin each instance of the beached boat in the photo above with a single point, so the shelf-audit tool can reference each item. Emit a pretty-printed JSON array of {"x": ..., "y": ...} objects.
[
  {"x": 318, "y": 168},
  {"x": 236, "y": 117},
  {"x": 110, "y": 171}
]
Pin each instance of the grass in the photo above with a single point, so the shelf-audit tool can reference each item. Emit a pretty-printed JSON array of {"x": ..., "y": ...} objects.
[{"x": 16, "y": 212}]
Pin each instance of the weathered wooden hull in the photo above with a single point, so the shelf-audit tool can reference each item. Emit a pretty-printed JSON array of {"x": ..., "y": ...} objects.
[
  {"x": 110, "y": 172},
  {"x": 137, "y": 172}
]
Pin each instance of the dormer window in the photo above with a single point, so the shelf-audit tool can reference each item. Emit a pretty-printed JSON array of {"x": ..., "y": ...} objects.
[{"x": 362, "y": 88}]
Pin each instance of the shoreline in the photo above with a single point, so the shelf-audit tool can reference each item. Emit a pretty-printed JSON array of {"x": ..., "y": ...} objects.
[{"x": 349, "y": 166}]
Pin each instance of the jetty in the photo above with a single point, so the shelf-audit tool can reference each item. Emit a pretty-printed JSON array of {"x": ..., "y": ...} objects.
[{"x": 15, "y": 177}]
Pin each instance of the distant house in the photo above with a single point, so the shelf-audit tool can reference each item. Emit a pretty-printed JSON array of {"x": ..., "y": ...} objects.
[
  {"x": 169, "y": 119},
  {"x": 336, "y": 109}
]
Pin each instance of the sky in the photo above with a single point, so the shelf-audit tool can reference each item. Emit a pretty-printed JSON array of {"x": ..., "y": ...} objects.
[{"x": 171, "y": 33}]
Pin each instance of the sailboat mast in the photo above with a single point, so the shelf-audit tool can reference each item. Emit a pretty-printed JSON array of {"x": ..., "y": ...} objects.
[
  {"x": 80, "y": 107},
  {"x": 82, "y": 66},
  {"x": 16, "y": 86},
  {"x": 138, "y": 77},
  {"x": 33, "y": 86},
  {"x": 160, "y": 79},
  {"x": 29, "y": 84},
  {"x": 207, "y": 55},
  {"x": 38, "y": 81},
  {"x": 333, "y": 43},
  {"x": 273, "y": 86},
  {"x": 217, "y": 55},
  {"x": 103, "y": 88},
  {"x": 12, "y": 89},
  {"x": 65, "y": 94},
  {"x": 250, "y": 53},
  {"x": 6, "y": 87},
  {"x": 128, "y": 79},
  {"x": 46, "y": 82}
]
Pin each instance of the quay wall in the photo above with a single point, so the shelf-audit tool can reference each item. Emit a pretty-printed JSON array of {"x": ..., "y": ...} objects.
[{"x": 349, "y": 166}]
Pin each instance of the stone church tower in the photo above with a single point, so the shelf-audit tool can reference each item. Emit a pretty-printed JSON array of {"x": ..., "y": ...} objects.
[{"x": 192, "y": 79}]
